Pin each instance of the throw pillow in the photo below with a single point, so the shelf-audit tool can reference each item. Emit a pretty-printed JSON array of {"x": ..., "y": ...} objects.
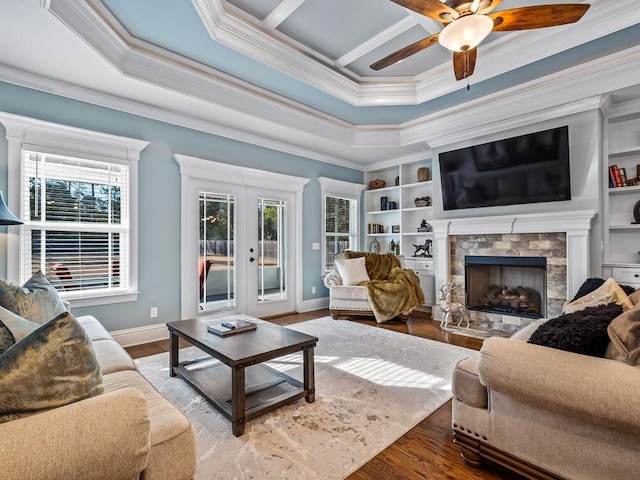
[
  {"x": 635, "y": 297},
  {"x": 13, "y": 328},
  {"x": 37, "y": 300},
  {"x": 378, "y": 265},
  {"x": 624, "y": 332},
  {"x": 52, "y": 366},
  {"x": 583, "y": 332},
  {"x": 352, "y": 270},
  {"x": 608, "y": 292},
  {"x": 591, "y": 284}
]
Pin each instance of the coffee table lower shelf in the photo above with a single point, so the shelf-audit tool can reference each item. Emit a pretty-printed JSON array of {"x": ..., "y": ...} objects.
[{"x": 265, "y": 388}]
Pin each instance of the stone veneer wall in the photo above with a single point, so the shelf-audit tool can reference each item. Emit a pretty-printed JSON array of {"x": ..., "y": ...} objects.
[{"x": 553, "y": 246}]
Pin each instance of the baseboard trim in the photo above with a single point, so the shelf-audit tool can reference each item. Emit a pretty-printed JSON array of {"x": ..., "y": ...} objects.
[
  {"x": 141, "y": 335},
  {"x": 315, "y": 304},
  {"x": 154, "y": 333}
]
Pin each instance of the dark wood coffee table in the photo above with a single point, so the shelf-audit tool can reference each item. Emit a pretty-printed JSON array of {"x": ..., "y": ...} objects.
[{"x": 249, "y": 388}]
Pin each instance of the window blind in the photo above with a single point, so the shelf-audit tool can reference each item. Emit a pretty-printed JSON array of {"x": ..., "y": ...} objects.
[
  {"x": 76, "y": 227},
  {"x": 340, "y": 227}
]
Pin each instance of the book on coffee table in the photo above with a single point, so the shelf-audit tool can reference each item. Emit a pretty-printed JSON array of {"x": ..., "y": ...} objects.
[{"x": 230, "y": 327}]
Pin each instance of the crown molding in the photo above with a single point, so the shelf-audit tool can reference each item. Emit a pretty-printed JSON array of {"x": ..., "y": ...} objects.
[
  {"x": 571, "y": 91},
  {"x": 240, "y": 111},
  {"x": 271, "y": 48}
]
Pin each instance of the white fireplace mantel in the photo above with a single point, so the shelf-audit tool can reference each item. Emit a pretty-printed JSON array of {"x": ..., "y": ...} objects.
[{"x": 576, "y": 225}]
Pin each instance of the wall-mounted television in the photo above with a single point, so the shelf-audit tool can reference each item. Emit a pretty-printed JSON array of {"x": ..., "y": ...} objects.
[{"x": 529, "y": 168}]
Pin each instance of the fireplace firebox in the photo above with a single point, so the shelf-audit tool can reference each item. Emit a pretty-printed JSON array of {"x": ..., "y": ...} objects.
[{"x": 506, "y": 285}]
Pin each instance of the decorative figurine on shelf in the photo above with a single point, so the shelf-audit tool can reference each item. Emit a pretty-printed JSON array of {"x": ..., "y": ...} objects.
[
  {"x": 426, "y": 249},
  {"x": 636, "y": 213},
  {"x": 422, "y": 201},
  {"x": 424, "y": 174},
  {"x": 450, "y": 309},
  {"x": 374, "y": 247},
  {"x": 425, "y": 227},
  {"x": 392, "y": 246}
]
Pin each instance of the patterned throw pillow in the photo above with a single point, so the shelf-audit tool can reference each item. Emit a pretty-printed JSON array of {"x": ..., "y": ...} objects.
[
  {"x": 37, "y": 300},
  {"x": 608, "y": 292},
  {"x": 13, "y": 328},
  {"x": 52, "y": 366}
]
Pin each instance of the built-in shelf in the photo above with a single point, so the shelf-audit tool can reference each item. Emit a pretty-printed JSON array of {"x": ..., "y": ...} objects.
[
  {"x": 382, "y": 212},
  {"x": 624, "y": 190},
  {"x": 406, "y": 188},
  {"x": 623, "y": 152},
  {"x": 625, "y": 227},
  {"x": 621, "y": 237},
  {"x": 382, "y": 190},
  {"x": 428, "y": 184},
  {"x": 416, "y": 209}
]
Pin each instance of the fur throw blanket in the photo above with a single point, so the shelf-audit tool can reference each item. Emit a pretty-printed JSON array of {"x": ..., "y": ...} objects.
[
  {"x": 400, "y": 294},
  {"x": 392, "y": 290},
  {"x": 378, "y": 265}
]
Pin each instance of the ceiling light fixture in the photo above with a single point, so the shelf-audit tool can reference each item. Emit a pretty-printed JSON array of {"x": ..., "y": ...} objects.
[{"x": 465, "y": 33}]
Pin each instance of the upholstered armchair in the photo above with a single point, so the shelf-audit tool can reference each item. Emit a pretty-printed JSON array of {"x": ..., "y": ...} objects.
[{"x": 372, "y": 284}]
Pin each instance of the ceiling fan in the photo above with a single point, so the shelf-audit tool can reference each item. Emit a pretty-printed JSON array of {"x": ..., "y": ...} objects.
[{"x": 467, "y": 23}]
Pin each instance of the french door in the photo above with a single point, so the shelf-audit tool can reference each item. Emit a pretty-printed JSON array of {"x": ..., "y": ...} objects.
[{"x": 245, "y": 258}]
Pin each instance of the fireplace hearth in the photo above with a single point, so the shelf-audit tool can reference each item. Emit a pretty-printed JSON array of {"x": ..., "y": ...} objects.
[{"x": 506, "y": 285}]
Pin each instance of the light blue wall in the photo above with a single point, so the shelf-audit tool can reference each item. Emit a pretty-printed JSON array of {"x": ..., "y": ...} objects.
[{"x": 159, "y": 195}]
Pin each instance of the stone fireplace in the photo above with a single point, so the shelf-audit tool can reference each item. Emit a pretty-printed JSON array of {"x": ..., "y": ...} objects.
[{"x": 561, "y": 240}]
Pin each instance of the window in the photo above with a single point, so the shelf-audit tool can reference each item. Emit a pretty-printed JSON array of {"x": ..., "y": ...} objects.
[
  {"x": 76, "y": 192},
  {"x": 76, "y": 228},
  {"x": 340, "y": 234},
  {"x": 340, "y": 218}
]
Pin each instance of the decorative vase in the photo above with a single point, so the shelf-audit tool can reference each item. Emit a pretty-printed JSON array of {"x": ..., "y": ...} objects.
[{"x": 424, "y": 174}]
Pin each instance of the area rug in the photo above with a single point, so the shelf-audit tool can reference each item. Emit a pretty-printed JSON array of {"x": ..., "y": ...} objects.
[{"x": 372, "y": 386}]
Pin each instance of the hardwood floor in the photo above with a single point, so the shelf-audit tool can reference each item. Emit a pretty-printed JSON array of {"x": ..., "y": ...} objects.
[{"x": 427, "y": 450}]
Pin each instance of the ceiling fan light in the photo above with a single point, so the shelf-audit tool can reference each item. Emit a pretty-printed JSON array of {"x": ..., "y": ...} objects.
[{"x": 465, "y": 33}]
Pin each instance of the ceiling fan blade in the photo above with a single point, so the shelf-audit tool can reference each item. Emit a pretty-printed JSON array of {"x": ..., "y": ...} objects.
[
  {"x": 405, "y": 52},
  {"x": 492, "y": 6},
  {"x": 464, "y": 63},
  {"x": 539, "y": 16},
  {"x": 430, "y": 8}
]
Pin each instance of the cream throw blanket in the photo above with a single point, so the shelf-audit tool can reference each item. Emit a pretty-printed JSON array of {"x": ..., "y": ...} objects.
[{"x": 392, "y": 290}]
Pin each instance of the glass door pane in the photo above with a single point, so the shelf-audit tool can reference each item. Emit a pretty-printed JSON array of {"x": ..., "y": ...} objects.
[
  {"x": 217, "y": 264},
  {"x": 271, "y": 250}
]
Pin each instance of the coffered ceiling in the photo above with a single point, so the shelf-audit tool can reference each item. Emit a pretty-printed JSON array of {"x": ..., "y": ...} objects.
[{"x": 294, "y": 75}]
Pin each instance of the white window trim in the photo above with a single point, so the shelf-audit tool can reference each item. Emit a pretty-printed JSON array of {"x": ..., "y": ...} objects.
[
  {"x": 46, "y": 137},
  {"x": 341, "y": 189}
]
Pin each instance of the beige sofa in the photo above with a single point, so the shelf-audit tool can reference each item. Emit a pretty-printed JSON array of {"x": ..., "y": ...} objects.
[
  {"x": 547, "y": 413},
  {"x": 129, "y": 432}
]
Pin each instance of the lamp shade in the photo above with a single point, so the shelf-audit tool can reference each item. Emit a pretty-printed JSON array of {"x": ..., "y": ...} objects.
[
  {"x": 465, "y": 33},
  {"x": 6, "y": 217}
]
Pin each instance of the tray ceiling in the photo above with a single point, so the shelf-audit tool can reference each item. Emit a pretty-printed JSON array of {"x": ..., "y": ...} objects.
[{"x": 293, "y": 75}]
